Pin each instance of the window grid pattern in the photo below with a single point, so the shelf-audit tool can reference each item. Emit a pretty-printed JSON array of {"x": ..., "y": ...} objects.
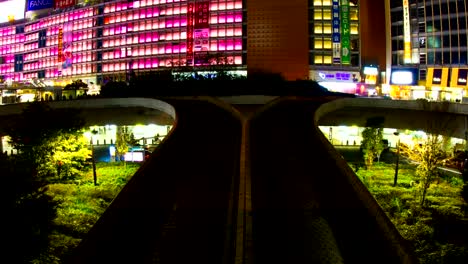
[
  {"x": 438, "y": 32},
  {"x": 118, "y": 36},
  {"x": 320, "y": 33}
]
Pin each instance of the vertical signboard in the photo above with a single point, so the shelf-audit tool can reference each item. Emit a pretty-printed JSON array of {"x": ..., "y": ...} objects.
[
  {"x": 60, "y": 49},
  {"x": 406, "y": 33},
  {"x": 67, "y": 45},
  {"x": 201, "y": 36},
  {"x": 336, "y": 31},
  {"x": 190, "y": 9},
  {"x": 345, "y": 33}
]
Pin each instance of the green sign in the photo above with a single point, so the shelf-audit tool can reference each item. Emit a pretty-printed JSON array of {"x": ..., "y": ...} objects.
[{"x": 345, "y": 33}]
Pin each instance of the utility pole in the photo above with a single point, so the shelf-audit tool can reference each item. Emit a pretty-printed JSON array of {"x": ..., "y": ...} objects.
[
  {"x": 94, "y": 132},
  {"x": 395, "y": 179}
]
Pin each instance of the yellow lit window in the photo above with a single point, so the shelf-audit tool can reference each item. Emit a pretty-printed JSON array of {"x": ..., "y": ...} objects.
[
  {"x": 353, "y": 14},
  {"x": 327, "y": 28},
  {"x": 327, "y": 2},
  {"x": 318, "y": 43},
  {"x": 327, "y": 59},
  {"x": 327, "y": 43},
  {"x": 318, "y": 59},
  {"x": 327, "y": 15},
  {"x": 318, "y": 14},
  {"x": 318, "y": 28},
  {"x": 354, "y": 29},
  {"x": 317, "y": 2}
]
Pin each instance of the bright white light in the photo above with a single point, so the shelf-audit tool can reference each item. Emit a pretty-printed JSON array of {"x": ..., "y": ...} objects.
[
  {"x": 402, "y": 77},
  {"x": 370, "y": 71},
  {"x": 12, "y": 8},
  {"x": 338, "y": 86},
  {"x": 134, "y": 156}
]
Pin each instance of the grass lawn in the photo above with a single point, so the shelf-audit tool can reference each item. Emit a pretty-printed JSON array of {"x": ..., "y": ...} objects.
[
  {"x": 438, "y": 230},
  {"x": 80, "y": 204}
]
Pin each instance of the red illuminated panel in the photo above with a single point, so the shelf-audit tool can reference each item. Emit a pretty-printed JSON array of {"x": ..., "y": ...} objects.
[
  {"x": 190, "y": 12},
  {"x": 202, "y": 14},
  {"x": 64, "y": 3}
]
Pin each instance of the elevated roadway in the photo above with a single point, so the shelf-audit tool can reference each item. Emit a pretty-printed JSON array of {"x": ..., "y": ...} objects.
[{"x": 247, "y": 184}]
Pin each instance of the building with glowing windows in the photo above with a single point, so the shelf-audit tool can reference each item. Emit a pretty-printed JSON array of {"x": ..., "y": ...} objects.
[
  {"x": 428, "y": 49},
  {"x": 50, "y": 43}
]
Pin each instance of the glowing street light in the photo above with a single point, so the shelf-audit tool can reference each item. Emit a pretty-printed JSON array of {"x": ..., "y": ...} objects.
[{"x": 395, "y": 179}]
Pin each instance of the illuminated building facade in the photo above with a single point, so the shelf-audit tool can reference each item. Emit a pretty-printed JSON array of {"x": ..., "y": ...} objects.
[
  {"x": 428, "y": 49},
  {"x": 334, "y": 54},
  {"x": 54, "y": 42}
]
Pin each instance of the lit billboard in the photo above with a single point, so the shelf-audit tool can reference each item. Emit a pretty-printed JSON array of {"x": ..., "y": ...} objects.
[
  {"x": 39, "y": 4},
  {"x": 11, "y": 10},
  {"x": 405, "y": 76}
]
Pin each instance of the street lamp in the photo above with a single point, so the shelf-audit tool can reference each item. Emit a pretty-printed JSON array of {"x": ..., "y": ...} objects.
[
  {"x": 395, "y": 179},
  {"x": 94, "y": 132}
]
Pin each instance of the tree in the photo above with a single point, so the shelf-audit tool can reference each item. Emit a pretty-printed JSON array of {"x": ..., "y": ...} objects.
[
  {"x": 429, "y": 151},
  {"x": 372, "y": 140},
  {"x": 38, "y": 133},
  {"x": 430, "y": 155},
  {"x": 122, "y": 140}
]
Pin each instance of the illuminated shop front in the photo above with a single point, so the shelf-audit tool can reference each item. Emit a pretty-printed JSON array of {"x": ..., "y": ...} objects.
[
  {"x": 337, "y": 81},
  {"x": 404, "y": 84}
]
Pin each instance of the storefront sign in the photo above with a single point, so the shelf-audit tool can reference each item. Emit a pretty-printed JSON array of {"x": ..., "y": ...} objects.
[
  {"x": 336, "y": 39},
  {"x": 345, "y": 33},
  {"x": 330, "y": 76},
  {"x": 406, "y": 33},
  {"x": 67, "y": 38},
  {"x": 462, "y": 76},
  {"x": 437, "y": 76},
  {"x": 39, "y": 4}
]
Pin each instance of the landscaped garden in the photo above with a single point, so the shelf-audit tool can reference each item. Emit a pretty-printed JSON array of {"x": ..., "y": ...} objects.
[
  {"x": 438, "y": 228},
  {"x": 79, "y": 204}
]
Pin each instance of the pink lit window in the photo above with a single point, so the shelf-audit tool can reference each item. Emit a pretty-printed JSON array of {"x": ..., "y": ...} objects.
[
  {"x": 238, "y": 31},
  {"x": 176, "y": 22},
  {"x": 221, "y": 31},
  {"x": 183, "y": 9},
  {"x": 230, "y": 18},
  {"x": 176, "y": 10},
  {"x": 229, "y": 31},
  {"x": 154, "y": 63},
  {"x": 222, "y": 6},
  {"x": 183, "y": 35},
  {"x": 168, "y": 48},
  {"x": 238, "y": 4},
  {"x": 214, "y": 45},
  {"x": 162, "y": 23},
  {"x": 161, "y": 49},
  {"x": 183, "y": 48},
  {"x": 183, "y": 22},
  {"x": 214, "y": 6},
  {"x": 169, "y": 23},
  {"x": 154, "y": 50},
  {"x": 238, "y": 17},
  {"x": 148, "y": 50},
  {"x": 148, "y": 63},
  {"x": 229, "y": 44},
  {"x": 230, "y": 5},
  {"x": 175, "y": 49},
  {"x": 214, "y": 19},
  {"x": 238, "y": 44},
  {"x": 222, "y": 44}
]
